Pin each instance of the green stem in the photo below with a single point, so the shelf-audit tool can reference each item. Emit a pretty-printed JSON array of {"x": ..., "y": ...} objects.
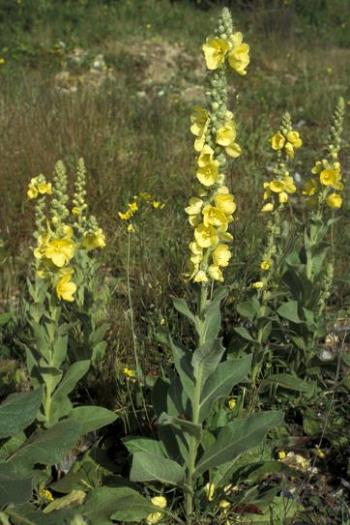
[
  {"x": 194, "y": 443},
  {"x": 131, "y": 309}
]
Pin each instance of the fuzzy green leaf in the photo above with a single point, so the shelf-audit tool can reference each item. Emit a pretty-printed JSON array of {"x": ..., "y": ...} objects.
[
  {"x": 289, "y": 311},
  {"x": 236, "y": 438},
  {"x": 151, "y": 467},
  {"x": 18, "y": 411}
]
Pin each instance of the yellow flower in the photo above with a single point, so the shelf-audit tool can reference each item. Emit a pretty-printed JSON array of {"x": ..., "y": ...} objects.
[
  {"x": 155, "y": 517},
  {"x": 133, "y": 207},
  {"x": 214, "y": 217},
  {"x": 231, "y": 403},
  {"x": 157, "y": 204},
  {"x": 206, "y": 236},
  {"x": 215, "y": 273},
  {"x": 289, "y": 149},
  {"x": 194, "y": 206},
  {"x": 208, "y": 174},
  {"x": 209, "y": 490},
  {"x": 65, "y": 288},
  {"x": 282, "y": 455},
  {"x": 76, "y": 210},
  {"x": 60, "y": 251},
  {"x": 331, "y": 177},
  {"x": 294, "y": 138},
  {"x": 38, "y": 186},
  {"x": 215, "y": 50},
  {"x": 129, "y": 372},
  {"x": 257, "y": 285},
  {"x": 276, "y": 186},
  {"x": 289, "y": 185},
  {"x": 233, "y": 150},
  {"x": 221, "y": 255},
  {"x": 283, "y": 197},
  {"x": 224, "y": 504},
  {"x": 200, "y": 277},
  {"x": 267, "y": 207},
  {"x": 200, "y": 122},
  {"x": 46, "y": 495},
  {"x": 94, "y": 240},
  {"x": 319, "y": 452},
  {"x": 226, "y": 134},
  {"x": 2, "y": 61},
  {"x": 238, "y": 56},
  {"x": 334, "y": 200},
  {"x": 224, "y": 201},
  {"x": 206, "y": 156},
  {"x": 125, "y": 216},
  {"x": 278, "y": 141},
  {"x": 131, "y": 228},
  {"x": 45, "y": 188},
  {"x": 265, "y": 265}
]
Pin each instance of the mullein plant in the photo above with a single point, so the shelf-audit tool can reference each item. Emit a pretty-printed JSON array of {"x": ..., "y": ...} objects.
[
  {"x": 277, "y": 191},
  {"x": 59, "y": 244},
  {"x": 191, "y": 452},
  {"x": 311, "y": 268}
]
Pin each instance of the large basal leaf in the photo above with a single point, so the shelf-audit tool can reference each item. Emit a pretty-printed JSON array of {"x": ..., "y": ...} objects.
[
  {"x": 149, "y": 467},
  {"x": 47, "y": 447},
  {"x": 18, "y": 411},
  {"x": 237, "y": 437},
  {"x": 91, "y": 418},
  {"x": 105, "y": 502},
  {"x": 134, "y": 508},
  {"x": 14, "y": 490},
  {"x": 221, "y": 382}
]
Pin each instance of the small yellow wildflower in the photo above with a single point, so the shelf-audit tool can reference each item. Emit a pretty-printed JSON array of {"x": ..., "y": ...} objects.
[
  {"x": 65, "y": 288},
  {"x": 131, "y": 228},
  {"x": 224, "y": 201},
  {"x": 60, "y": 251},
  {"x": 157, "y": 204},
  {"x": 257, "y": 285},
  {"x": 155, "y": 517},
  {"x": 209, "y": 490},
  {"x": 199, "y": 127},
  {"x": 206, "y": 236},
  {"x": 231, "y": 403},
  {"x": 331, "y": 177},
  {"x": 238, "y": 56},
  {"x": 129, "y": 372},
  {"x": 133, "y": 206},
  {"x": 212, "y": 216},
  {"x": 224, "y": 504},
  {"x": 278, "y": 141},
  {"x": 265, "y": 265},
  {"x": 208, "y": 174},
  {"x": 94, "y": 240},
  {"x": 46, "y": 495},
  {"x": 226, "y": 134},
  {"x": 200, "y": 277},
  {"x": 125, "y": 216},
  {"x": 215, "y": 273},
  {"x": 334, "y": 200},
  {"x": 215, "y": 50},
  {"x": 267, "y": 207},
  {"x": 221, "y": 255},
  {"x": 2, "y": 61},
  {"x": 282, "y": 454}
]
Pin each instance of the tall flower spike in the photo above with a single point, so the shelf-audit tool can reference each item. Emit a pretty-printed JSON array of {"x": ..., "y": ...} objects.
[
  {"x": 211, "y": 211},
  {"x": 285, "y": 141},
  {"x": 59, "y": 209},
  {"x": 325, "y": 185},
  {"x": 79, "y": 198}
]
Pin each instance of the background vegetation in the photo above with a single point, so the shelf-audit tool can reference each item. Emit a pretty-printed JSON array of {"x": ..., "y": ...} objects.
[{"x": 114, "y": 82}]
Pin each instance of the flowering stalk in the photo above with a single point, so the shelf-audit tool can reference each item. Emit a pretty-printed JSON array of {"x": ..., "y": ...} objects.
[{"x": 211, "y": 210}]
